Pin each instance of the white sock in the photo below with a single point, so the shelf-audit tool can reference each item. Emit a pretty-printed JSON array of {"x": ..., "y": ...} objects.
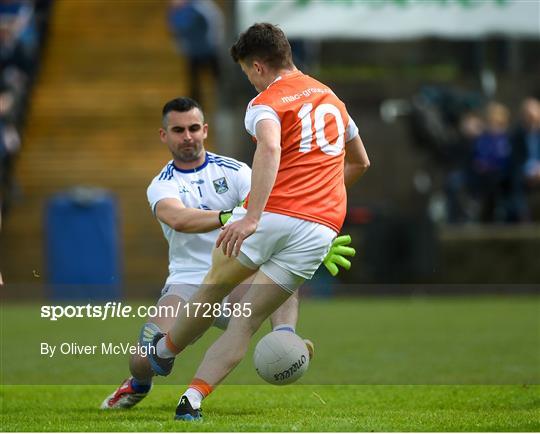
[
  {"x": 162, "y": 350},
  {"x": 195, "y": 397},
  {"x": 285, "y": 327}
]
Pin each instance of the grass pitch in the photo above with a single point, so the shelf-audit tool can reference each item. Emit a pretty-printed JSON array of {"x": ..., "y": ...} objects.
[
  {"x": 393, "y": 364},
  {"x": 292, "y": 408}
]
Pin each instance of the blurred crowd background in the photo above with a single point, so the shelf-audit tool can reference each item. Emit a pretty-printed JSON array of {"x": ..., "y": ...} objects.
[{"x": 450, "y": 119}]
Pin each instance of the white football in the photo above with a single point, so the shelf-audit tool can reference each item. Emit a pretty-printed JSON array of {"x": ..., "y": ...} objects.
[{"x": 281, "y": 357}]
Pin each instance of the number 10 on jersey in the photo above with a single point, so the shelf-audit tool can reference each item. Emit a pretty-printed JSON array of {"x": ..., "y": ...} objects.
[{"x": 319, "y": 120}]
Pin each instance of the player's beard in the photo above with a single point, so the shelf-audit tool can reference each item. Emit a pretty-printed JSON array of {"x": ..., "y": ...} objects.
[{"x": 187, "y": 154}]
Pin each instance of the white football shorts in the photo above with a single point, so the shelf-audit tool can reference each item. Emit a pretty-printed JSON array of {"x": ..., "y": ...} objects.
[
  {"x": 183, "y": 290},
  {"x": 287, "y": 249}
]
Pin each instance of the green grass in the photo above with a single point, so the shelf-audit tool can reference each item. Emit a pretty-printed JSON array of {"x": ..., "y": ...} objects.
[
  {"x": 293, "y": 408},
  {"x": 391, "y": 364}
]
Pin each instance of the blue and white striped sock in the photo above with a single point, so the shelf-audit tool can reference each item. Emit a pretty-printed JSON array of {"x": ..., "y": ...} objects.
[{"x": 285, "y": 327}]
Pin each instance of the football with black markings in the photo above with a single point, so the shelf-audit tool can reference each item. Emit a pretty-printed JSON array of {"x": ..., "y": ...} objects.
[{"x": 281, "y": 357}]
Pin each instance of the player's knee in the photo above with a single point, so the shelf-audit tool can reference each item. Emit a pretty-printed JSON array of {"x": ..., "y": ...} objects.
[
  {"x": 226, "y": 271},
  {"x": 211, "y": 293},
  {"x": 216, "y": 276},
  {"x": 216, "y": 286}
]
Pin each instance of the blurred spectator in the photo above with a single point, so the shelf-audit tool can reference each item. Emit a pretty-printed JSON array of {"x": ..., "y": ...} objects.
[
  {"x": 10, "y": 142},
  {"x": 470, "y": 128},
  {"x": 491, "y": 170},
  {"x": 16, "y": 82},
  {"x": 197, "y": 27},
  {"x": 526, "y": 142},
  {"x": 22, "y": 23},
  {"x": 18, "y": 34},
  {"x": 436, "y": 112}
]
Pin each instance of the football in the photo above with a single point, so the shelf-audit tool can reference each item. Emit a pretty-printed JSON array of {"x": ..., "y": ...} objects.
[{"x": 281, "y": 357}]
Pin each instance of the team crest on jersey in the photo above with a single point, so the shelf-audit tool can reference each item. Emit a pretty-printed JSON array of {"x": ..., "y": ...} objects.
[{"x": 221, "y": 185}]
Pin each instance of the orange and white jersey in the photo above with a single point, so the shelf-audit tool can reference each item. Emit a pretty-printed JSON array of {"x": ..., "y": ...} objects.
[{"x": 315, "y": 126}]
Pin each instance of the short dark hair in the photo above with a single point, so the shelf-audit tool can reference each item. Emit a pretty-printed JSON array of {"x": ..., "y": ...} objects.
[
  {"x": 181, "y": 104},
  {"x": 264, "y": 42}
]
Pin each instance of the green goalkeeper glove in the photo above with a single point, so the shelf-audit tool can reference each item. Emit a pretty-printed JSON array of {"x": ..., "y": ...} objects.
[
  {"x": 337, "y": 253},
  {"x": 224, "y": 216}
]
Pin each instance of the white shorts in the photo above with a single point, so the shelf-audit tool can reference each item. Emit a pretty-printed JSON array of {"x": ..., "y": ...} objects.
[
  {"x": 183, "y": 290},
  {"x": 286, "y": 249}
]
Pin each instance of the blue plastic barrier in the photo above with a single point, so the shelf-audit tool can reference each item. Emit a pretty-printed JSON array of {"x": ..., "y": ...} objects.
[{"x": 82, "y": 245}]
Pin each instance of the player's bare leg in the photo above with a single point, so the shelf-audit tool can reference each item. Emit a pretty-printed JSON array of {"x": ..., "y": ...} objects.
[
  {"x": 224, "y": 275},
  {"x": 264, "y": 297},
  {"x": 134, "y": 389},
  {"x": 287, "y": 314},
  {"x": 286, "y": 318}
]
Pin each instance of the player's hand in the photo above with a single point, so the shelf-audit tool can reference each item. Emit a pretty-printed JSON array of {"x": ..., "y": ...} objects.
[
  {"x": 337, "y": 253},
  {"x": 233, "y": 235}
]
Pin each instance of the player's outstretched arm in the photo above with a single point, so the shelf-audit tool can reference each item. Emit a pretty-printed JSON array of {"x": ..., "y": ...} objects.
[
  {"x": 173, "y": 213},
  {"x": 336, "y": 255},
  {"x": 356, "y": 160}
]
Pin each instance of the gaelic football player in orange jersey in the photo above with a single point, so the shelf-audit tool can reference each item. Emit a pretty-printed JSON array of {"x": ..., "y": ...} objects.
[{"x": 308, "y": 150}]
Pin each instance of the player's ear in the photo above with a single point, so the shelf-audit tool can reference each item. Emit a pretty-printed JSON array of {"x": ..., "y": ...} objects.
[
  {"x": 163, "y": 135},
  {"x": 205, "y": 130},
  {"x": 257, "y": 66}
]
